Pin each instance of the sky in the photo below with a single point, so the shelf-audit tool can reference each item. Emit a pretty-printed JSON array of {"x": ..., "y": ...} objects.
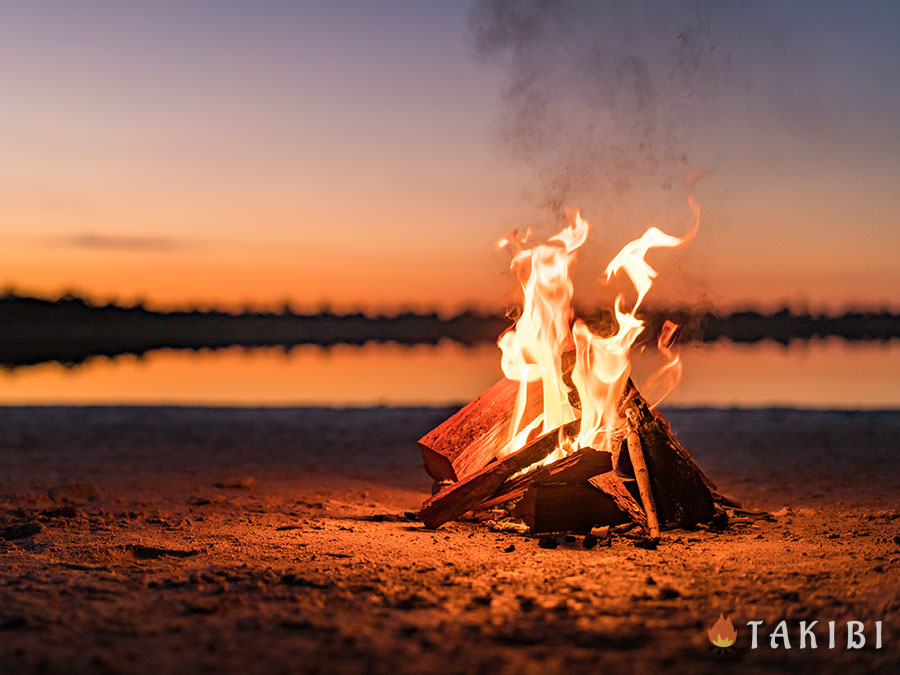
[{"x": 369, "y": 155}]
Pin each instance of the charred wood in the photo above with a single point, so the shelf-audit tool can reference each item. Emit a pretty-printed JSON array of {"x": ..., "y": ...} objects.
[{"x": 561, "y": 507}]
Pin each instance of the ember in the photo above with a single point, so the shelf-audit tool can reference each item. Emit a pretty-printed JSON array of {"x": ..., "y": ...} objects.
[{"x": 566, "y": 441}]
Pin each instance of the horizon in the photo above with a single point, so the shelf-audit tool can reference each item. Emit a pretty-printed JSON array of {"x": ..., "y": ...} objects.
[{"x": 287, "y": 305}]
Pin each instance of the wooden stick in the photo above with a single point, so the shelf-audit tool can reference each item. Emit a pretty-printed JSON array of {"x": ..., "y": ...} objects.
[
  {"x": 636, "y": 455},
  {"x": 682, "y": 492},
  {"x": 470, "y": 492}
]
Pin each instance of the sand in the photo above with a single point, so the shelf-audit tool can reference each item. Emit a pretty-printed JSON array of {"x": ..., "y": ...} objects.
[{"x": 179, "y": 540}]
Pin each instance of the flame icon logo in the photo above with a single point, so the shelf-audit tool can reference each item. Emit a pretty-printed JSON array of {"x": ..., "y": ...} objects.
[{"x": 722, "y": 634}]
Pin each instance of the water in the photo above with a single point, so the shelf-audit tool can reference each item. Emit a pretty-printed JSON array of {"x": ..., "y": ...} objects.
[{"x": 818, "y": 374}]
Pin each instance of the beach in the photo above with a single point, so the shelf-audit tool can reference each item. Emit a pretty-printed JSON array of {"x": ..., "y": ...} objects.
[{"x": 270, "y": 540}]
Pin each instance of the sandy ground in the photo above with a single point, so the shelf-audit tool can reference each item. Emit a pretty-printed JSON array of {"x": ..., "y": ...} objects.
[{"x": 177, "y": 540}]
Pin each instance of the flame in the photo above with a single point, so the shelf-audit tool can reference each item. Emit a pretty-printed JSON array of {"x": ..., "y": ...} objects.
[
  {"x": 532, "y": 350},
  {"x": 664, "y": 380},
  {"x": 722, "y": 633}
]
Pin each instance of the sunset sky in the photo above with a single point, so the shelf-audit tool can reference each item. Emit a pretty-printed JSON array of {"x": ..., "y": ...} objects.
[{"x": 368, "y": 155}]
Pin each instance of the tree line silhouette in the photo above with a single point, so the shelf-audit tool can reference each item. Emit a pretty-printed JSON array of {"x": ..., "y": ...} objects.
[{"x": 71, "y": 329}]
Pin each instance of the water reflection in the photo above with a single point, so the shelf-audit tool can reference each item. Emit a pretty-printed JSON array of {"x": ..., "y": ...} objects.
[{"x": 825, "y": 373}]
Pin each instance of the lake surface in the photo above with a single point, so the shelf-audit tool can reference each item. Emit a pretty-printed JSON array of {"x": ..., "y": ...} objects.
[{"x": 816, "y": 374}]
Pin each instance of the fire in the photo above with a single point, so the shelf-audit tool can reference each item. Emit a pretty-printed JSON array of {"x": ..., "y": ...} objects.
[
  {"x": 722, "y": 634},
  {"x": 547, "y": 329}
]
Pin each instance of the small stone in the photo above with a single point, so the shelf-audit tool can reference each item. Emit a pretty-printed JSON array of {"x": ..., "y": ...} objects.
[
  {"x": 21, "y": 531},
  {"x": 548, "y": 541},
  {"x": 649, "y": 543}
]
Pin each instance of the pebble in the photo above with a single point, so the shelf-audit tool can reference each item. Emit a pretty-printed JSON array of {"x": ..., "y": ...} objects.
[
  {"x": 548, "y": 541},
  {"x": 21, "y": 531}
]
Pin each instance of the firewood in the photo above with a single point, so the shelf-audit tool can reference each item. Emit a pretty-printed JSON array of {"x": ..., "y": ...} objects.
[
  {"x": 562, "y": 507},
  {"x": 473, "y": 490},
  {"x": 574, "y": 468},
  {"x": 636, "y": 455},
  {"x": 614, "y": 487},
  {"x": 683, "y": 494},
  {"x": 468, "y": 440}
]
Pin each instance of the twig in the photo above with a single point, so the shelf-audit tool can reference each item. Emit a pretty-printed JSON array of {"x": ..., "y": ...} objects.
[{"x": 636, "y": 454}]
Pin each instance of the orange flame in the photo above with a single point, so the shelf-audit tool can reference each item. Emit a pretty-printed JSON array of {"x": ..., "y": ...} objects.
[
  {"x": 533, "y": 348},
  {"x": 722, "y": 634},
  {"x": 664, "y": 380}
]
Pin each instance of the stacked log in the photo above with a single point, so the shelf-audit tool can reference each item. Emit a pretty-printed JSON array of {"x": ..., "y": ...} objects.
[{"x": 651, "y": 481}]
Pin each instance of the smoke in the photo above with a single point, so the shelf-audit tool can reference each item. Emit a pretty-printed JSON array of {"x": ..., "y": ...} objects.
[{"x": 602, "y": 97}]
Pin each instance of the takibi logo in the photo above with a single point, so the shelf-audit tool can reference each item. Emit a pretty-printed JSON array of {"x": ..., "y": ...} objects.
[
  {"x": 722, "y": 634},
  {"x": 858, "y": 635}
]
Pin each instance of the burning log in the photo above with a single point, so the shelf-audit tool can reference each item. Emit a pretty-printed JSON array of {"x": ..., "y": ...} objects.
[
  {"x": 672, "y": 488},
  {"x": 572, "y": 371},
  {"x": 560, "y": 507},
  {"x": 472, "y": 491},
  {"x": 575, "y": 468},
  {"x": 681, "y": 492},
  {"x": 470, "y": 439}
]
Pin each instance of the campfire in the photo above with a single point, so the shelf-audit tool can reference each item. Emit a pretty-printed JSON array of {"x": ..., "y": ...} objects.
[{"x": 567, "y": 441}]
